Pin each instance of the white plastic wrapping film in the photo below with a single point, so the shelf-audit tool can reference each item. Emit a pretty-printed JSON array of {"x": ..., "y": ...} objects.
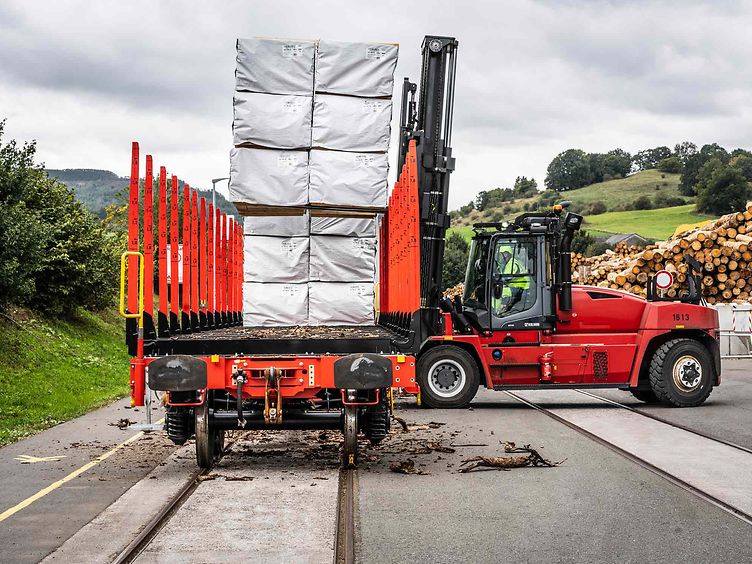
[
  {"x": 269, "y": 177},
  {"x": 347, "y": 123},
  {"x": 272, "y": 120},
  {"x": 271, "y": 305},
  {"x": 277, "y": 226},
  {"x": 342, "y": 259},
  {"x": 275, "y": 66},
  {"x": 275, "y": 259},
  {"x": 356, "y": 69},
  {"x": 346, "y": 226},
  {"x": 340, "y": 303},
  {"x": 348, "y": 179}
]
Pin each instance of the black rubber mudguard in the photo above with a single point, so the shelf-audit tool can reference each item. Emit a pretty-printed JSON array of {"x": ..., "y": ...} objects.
[
  {"x": 177, "y": 373},
  {"x": 363, "y": 371}
]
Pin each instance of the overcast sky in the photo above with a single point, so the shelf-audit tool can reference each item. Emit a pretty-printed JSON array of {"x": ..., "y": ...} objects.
[{"x": 534, "y": 78}]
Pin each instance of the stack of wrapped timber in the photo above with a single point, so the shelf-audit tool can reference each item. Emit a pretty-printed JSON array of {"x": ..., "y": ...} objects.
[
  {"x": 342, "y": 271},
  {"x": 311, "y": 125},
  {"x": 276, "y": 263},
  {"x": 723, "y": 247}
]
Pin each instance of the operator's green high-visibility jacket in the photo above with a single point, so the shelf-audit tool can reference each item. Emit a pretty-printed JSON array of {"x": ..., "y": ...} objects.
[{"x": 514, "y": 267}]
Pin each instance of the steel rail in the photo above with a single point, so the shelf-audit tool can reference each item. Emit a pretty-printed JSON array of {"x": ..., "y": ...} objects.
[
  {"x": 640, "y": 462},
  {"x": 667, "y": 422},
  {"x": 134, "y": 549},
  {"x": 344, "y": 544},
  {"x": 131, "y": 552}
]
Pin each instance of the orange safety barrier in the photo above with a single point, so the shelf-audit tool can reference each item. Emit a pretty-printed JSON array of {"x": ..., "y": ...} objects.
[{"x": 212, "y": 264}]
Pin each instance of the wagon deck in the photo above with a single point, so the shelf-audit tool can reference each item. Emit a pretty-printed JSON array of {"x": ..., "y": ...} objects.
[{"x": 322, "y": 339}]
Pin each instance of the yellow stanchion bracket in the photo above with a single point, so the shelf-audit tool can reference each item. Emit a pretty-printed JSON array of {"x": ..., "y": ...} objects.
[{"x": 123, "y": 269}]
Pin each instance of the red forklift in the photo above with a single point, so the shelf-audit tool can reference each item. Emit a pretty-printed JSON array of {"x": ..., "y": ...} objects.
[{"x": 520, "y": 325}]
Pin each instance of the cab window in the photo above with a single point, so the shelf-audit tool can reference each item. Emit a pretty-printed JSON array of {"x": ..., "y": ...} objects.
[{"x": 513, "y": 286}]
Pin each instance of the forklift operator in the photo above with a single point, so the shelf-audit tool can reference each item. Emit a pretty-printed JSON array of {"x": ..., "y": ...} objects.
[{"x": 515, "y": 279}]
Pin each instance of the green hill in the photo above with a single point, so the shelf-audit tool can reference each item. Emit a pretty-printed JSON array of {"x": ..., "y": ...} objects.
[
  {"x": 96, "y": 189},
  {"x": 616, "y": 195}
]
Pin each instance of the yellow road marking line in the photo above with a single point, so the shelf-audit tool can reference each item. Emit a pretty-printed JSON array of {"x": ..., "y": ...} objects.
[{"x": 55, "y": 485}]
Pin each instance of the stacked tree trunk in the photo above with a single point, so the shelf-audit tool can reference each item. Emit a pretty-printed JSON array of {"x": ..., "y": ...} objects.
[{"x": 723, "y": 248}]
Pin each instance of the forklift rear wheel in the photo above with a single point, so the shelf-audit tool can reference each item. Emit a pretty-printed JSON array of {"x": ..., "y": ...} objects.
[
  {"x": 210, "y": 441},
  {"x": 350, "y": 431},
  {"x": 681, "y": 373},
  {"x": 448, "y": 377}
]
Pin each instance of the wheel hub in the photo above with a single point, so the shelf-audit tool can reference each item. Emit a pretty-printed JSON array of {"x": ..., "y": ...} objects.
[
  {"x": 687, "y": 373},
  {"x": 446, "y": 378}
]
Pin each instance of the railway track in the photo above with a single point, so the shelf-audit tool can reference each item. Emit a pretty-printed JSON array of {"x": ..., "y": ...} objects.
[
  {"x": 666, "y": 421},
  {"x": 344, "y": 542},
  {"x": 642, "y": 461}
]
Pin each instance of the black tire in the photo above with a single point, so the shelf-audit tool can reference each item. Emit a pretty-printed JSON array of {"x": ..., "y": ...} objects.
[
  {"x": 681, "y": 373},
  {"x": 448, "y": 377},
  {"x": 647, "y": 396}
]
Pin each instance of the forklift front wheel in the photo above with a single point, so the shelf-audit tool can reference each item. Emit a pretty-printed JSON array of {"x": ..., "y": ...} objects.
[{"x": 448, "y": 377}]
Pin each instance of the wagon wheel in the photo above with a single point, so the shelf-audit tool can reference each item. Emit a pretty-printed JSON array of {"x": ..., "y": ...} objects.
[
  {"x": 350, "y": 431},
  {"x": 209, "y": 441}
]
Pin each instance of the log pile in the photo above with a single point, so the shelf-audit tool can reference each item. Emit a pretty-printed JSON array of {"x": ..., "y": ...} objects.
[{"x": 724, "y": 248}]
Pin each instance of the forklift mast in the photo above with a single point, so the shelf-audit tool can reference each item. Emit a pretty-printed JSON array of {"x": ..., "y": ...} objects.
[{"x": 429, "y": 122}]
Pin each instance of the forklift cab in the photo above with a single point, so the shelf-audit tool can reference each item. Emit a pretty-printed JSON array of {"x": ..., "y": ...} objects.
[
  {"x": 515, "y": 272},
  {"x": 507, "y": 283}
]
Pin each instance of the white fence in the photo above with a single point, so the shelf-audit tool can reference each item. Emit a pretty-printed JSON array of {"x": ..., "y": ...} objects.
[{"x": 736, "y": 329}]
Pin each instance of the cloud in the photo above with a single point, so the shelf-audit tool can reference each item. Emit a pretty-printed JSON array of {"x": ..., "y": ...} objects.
[{"x": 534, "y": 78}]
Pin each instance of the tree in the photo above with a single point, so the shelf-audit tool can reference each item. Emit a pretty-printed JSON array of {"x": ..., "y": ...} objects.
[
  {"x": 455, "y": 260},
  {"x": 524, "y": 188},
  {"x": 55, "y": 255},
  {"x": 695, "y": 162},
  {"x": 649, "y": 158},
  {"x": 568, "y": 170},
  {"x": 684, "y": 150},
  {"x": 672, "y": 164},
  {"x": 617, "y": 164},
  {"x": 743, "y": 163},
  {"x": 721, "y": 188}
]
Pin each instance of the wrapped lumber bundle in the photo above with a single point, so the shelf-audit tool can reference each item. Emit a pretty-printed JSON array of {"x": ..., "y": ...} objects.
[{"x": 723, "y": 248}]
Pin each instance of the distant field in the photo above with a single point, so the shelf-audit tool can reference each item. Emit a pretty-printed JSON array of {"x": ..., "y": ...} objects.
[{"x": 654, "y": 224}]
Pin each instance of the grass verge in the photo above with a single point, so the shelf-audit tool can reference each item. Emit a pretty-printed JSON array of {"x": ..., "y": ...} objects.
[{"x": 54, "y": 370}]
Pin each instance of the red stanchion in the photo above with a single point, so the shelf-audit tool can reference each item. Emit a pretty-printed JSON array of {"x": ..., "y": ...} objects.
[
  {"x": 195, "y": 282},
  {"x": 174, "y": 259},
  {"x": 185, "y": 318},
  {"x": 163, "y": 327}
]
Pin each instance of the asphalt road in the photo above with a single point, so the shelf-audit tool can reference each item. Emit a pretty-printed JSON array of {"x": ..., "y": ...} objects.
[
  {"x": 36, "y": 530},
  {"x": 727, "y": 413},
  {"x": 595, "y": 507}
]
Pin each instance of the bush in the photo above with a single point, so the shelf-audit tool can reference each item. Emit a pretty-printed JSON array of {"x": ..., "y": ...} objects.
[
  {"x": 581, "y": 241},
  {"x": 597, "y": 208},
  {"x": 642, "y": 203},
  {"x": 666, "y": 201},
  {"x": 55, "y": 256},
  {"x": 596, "y": 248}
]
